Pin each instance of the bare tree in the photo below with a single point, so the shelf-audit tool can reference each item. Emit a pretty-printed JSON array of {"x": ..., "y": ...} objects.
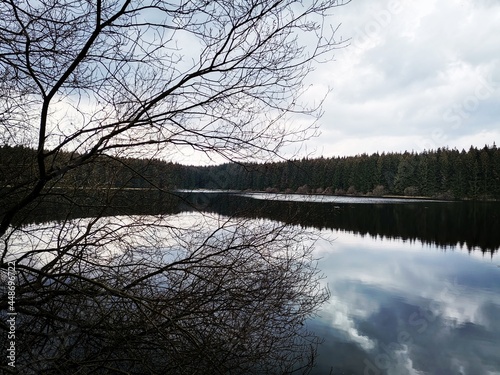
[{"x": 87, "y": 82}]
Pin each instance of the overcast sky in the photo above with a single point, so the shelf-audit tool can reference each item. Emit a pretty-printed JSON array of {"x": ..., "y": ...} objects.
[{"x": 417, "y": 75}]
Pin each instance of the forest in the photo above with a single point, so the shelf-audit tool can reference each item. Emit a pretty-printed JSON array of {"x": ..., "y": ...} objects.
[{"x": 443, "y": 173}]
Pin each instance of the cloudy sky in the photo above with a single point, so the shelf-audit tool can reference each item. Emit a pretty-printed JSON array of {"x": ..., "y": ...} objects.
[{"x": 416, "y": 76}]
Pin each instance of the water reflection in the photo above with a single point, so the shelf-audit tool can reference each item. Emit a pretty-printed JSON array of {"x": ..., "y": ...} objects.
[
  {"x": 190, "y": 293},
  {"x": 400, "y": 308},
  {"x": 409, "y": 293},
  {"x": 472, "y": 225}
]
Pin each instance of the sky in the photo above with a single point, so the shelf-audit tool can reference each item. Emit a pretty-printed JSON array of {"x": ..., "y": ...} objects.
[{"x": 417, "y": 75}]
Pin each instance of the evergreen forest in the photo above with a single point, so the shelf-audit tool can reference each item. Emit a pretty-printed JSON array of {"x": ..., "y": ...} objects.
[{"x": 443, "y": 173}]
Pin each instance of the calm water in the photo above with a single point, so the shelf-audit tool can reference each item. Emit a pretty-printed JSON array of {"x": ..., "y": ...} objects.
[
  {"x": 400, "y": 307},
  {"x": 415, "y": 286}
]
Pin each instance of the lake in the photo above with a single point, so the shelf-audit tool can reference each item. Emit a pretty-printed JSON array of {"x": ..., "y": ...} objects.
[{"x": 415, "y": 285}]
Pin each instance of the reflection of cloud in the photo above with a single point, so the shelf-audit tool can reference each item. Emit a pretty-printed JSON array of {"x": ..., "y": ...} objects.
[
  {"x": 403, "y": 364},
  {"x": 342, "y": 319},
  {"x": 446, "y": 305}
]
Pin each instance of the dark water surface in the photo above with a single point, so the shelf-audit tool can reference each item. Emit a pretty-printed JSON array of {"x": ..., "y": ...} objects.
[{"x": 415, "y": 285}]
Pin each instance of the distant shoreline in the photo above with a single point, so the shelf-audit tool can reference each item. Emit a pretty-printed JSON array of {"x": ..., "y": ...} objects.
[{"x": 386, "y": 196}]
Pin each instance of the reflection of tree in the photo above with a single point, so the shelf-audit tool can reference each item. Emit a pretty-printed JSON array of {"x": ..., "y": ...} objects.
[
  {"x": 163, "y": 295},
  {"x": 470, "y": 224}
]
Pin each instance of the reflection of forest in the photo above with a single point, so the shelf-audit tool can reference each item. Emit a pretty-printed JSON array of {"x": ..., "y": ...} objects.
[
  {"x": 85, "y": 203},
  {"x": 470, "y": 224}
]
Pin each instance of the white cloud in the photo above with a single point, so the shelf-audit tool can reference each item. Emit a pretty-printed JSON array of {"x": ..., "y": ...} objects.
[{"x": 416, "y": 73}]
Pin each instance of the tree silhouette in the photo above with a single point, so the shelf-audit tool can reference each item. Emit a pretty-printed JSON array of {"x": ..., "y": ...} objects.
[{"x": 90, "y": 85}]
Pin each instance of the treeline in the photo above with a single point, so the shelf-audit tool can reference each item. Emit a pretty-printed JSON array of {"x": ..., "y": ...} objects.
[
  {"x": 18, "y": 167},
  {"x": 443, "y": 173}
]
